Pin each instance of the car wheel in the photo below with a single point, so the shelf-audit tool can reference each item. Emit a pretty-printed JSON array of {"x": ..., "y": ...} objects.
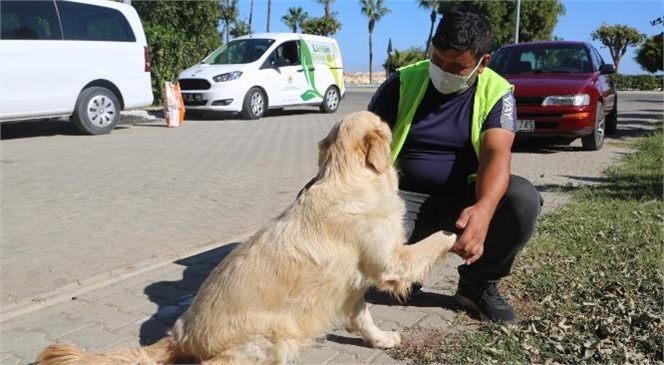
[
  {"x": 254, "y": 104},
  {"x": 330, "y": 100},
  {"x": 97, "y": 111},
  {"x": 612, "y": 119},
  {"x": 595, "y": 140}
]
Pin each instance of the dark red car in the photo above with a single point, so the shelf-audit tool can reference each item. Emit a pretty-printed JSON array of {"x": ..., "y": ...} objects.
[{"x": 563, "y": 89}]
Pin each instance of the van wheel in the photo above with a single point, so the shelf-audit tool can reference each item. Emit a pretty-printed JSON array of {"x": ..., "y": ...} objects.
[
  {"x": 330, "y": 100},
  {"x": 595, "y": 140},
  {"x": 254, "y": 104},
  {"x": 97, "y": 111}
]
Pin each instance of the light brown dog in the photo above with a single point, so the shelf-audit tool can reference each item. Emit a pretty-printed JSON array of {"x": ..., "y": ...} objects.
[{"x": 304, "y": 270}]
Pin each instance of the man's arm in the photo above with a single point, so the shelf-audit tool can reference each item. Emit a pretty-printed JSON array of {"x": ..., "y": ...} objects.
[
  {"x": 491, "y": 182},
  {"x": 494, "y": 169}
]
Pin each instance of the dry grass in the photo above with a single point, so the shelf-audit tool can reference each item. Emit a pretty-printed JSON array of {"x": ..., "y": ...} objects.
[{"x": 588, "y": 289}]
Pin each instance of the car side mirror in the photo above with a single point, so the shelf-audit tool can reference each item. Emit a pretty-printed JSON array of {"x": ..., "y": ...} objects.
[{"x": 607, "y": 69}]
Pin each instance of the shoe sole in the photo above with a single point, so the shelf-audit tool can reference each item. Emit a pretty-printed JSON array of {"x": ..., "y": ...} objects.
[{"x": 470, "y": 306}]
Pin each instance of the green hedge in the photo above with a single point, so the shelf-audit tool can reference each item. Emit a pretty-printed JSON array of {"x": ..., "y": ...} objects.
[
  {"x": 638, "y": 82},
  {"x": 179, "y": 34}
]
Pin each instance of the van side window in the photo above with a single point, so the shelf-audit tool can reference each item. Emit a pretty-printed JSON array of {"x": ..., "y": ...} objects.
[
  {"x": 83, "y": 22},
  {"x": 287, "y": 54},
  {"x": 27, "y": 20}
]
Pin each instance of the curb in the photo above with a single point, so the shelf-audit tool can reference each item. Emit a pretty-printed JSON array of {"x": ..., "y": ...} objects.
[{"x": 58, "y": 295}]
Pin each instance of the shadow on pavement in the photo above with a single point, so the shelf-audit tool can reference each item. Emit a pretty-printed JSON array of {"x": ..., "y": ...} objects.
[
  {"x": 630, "y": 125},
  {"x": 174, "y": 297},
  {"x": 424, "y": 299},
  {"x": 42, "y": 128},
  {"x": 37, "y": 128},
  {"x": 215, "y": 116}
]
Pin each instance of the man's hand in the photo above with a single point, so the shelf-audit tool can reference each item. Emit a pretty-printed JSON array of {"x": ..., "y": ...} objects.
[{"x": 474, "y": 224}]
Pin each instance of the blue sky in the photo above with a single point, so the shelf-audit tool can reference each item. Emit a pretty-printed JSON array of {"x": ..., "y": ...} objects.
[{"x": 408, "y": 25}]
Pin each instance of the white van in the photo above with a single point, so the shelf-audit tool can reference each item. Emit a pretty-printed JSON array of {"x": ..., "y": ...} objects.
[
  {"x": 253, "y": 73},
  {"x": 85, "y": 59}
]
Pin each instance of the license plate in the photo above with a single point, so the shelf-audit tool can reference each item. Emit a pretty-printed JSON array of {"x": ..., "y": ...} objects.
[
  {"x": 526, "y": 125},
  {"x": 192, "y": 97}
]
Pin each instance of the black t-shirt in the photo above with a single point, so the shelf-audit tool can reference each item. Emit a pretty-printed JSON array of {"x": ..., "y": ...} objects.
[{"x": 438, "y": 154}]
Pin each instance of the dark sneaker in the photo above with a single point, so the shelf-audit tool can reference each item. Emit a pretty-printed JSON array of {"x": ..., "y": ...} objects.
[{"x": 485, "y": 299}]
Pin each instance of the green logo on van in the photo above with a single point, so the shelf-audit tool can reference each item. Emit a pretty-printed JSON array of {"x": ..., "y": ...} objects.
[{"x": 308, "y": 64}]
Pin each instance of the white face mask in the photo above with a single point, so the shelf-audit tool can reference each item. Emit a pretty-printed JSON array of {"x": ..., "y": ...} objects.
[{"x": 448, "y": 83}]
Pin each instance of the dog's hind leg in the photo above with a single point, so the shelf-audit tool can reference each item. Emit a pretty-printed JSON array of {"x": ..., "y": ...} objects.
[{"x": 361, "y": 322}]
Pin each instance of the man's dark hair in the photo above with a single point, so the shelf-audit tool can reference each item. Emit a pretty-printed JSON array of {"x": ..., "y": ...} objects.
[{"x": 463, "y": 29}]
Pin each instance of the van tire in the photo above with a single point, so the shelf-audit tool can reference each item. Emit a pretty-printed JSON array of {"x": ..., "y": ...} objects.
[
  {"x": 331, "y": 100},
  {"x": 254, "y": 104},
  {"x": 97, "y": 111}
]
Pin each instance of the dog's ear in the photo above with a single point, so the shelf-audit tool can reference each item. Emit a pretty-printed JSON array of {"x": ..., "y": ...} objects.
[
  {"x": 325, "y": 144},
  {"x": 376, "y": 148}
]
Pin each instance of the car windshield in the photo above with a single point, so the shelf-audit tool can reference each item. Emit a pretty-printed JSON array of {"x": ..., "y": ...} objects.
[
  {"x": 541, "y": 58},
  {"x": 239, "y": 51}
]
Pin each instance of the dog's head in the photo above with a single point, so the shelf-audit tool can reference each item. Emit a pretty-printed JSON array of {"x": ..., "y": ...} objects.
[{"x": 360, "y": 141}]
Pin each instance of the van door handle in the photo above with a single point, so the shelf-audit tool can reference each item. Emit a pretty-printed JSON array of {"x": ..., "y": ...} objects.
[{"x": 310, "y": 69}]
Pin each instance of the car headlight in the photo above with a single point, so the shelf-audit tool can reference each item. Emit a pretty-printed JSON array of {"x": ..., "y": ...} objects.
[
  {"x": 227, "y": 76},
  {"x": 575, "y": 100}
]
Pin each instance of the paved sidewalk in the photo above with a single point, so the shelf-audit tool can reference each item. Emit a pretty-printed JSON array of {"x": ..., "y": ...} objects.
[{"x": 105, "y": 240}]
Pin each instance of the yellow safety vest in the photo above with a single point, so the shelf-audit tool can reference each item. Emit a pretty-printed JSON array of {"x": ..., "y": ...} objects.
[{"x": 414, "y": 80}]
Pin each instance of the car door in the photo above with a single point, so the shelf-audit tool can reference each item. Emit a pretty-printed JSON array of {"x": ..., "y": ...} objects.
[
  {"x": 286, "y": 81},
  {"x": 32, "y": 84},
  {"x": 604, "y": 81}
]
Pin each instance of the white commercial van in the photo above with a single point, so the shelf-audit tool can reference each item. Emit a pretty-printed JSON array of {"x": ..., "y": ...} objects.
[
  {"x": 257, "y": 72},
  {"x": 86, "y": 59}
]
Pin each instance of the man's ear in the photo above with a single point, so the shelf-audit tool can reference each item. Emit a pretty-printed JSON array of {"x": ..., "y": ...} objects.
[
  {"x": 486, "y": 60},
  {"x": 376, "y": 148}
]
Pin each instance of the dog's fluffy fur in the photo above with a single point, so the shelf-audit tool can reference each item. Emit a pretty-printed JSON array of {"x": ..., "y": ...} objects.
[{"x": 305, "y": 269}]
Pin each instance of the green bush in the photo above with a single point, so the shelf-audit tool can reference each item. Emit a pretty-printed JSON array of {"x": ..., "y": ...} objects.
[
  {"x": 179, "y": 34},
  {"x": 403, "y": 58},
  {"x": 638, "y": 82}
]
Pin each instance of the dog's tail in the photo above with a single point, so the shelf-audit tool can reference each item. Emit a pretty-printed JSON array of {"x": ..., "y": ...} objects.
[{"x": 163, "y": 351}]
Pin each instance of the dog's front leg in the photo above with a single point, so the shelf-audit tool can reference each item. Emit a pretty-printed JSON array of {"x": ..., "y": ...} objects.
[
  {"x": 361, "y": 322},
  {"x": 411, "y": 263}
]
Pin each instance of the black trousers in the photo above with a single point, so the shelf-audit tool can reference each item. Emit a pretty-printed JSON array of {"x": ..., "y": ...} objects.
[{"x": 510, "y": 229}]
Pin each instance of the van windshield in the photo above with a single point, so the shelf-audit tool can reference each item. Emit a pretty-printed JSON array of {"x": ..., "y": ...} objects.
[{"x": 239, "y": 51}]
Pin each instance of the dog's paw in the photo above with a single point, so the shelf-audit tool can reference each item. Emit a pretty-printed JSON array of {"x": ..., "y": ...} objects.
[{"x": 386, "y": 340}]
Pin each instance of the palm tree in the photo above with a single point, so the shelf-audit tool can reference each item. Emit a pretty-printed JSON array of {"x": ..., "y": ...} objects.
[
  {"x": 269, "y": 14},
  {"x": 433, "y": 5},
  {"x": 374, "y": 10},
  {"x": 295, "y": 17},
  {"x": 328, "y": 6},
  {"x": 229, "y": 13},
  {"x": 251, "y": 12}
]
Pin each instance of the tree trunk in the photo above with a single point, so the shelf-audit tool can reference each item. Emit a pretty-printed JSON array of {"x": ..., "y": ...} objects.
[
  {"x": 251, "y": 12},
  {"x": 433, "y": 21},
  {"x": 227, "y": 28},
  {"x": 370, "y": 57},
  {"x": 269, "y": 13}
]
